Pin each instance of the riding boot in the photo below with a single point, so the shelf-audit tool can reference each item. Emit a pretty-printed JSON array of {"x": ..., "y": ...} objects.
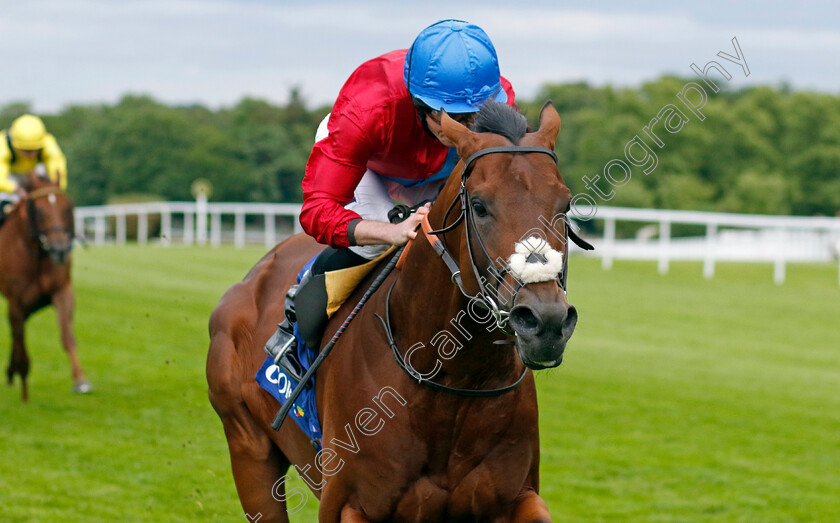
[
  {"x": 309, "y": 297},
  {"x": 282, "y": 345}
]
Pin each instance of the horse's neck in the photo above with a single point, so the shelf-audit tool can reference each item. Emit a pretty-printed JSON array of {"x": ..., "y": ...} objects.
[
  {"x": 15, "y": 220},
  {"x": 427, "y": 308},
  {"x": 14, "y": 234}
]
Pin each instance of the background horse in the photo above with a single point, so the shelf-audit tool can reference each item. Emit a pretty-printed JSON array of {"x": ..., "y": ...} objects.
[
  {"x": 393, "y": 448},
  {"x": 35, "y": 244}
]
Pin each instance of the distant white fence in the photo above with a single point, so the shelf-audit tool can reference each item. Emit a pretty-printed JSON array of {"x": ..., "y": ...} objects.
[
  {"x": 728, "y": 237},
  {"x": 189, "y": 223}
]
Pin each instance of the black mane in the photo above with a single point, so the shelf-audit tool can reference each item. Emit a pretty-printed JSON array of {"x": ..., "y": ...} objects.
[{"x": 499, "y": 118}]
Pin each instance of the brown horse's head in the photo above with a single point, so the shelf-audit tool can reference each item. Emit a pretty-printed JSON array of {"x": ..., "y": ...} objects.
[
  {"x": 49, "y": 214},
  {"x": 513, "y": 246}
]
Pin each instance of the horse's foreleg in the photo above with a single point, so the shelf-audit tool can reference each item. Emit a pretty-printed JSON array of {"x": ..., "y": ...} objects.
[
  {"x": 258, "y": 471},
  {"x": 531, "y": 508},
  {"x": 351, "y": 515},
  {"x": 64, "y": 302},
  {"x": 19, "y": 362}
]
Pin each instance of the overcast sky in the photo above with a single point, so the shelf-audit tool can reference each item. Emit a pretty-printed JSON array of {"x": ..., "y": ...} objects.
[{"x": 214, "y": 52}]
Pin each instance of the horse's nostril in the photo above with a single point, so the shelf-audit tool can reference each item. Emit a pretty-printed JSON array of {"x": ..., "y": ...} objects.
[
  {"x": 524, "y": 319},
  {"x": 570, "y": 321}
]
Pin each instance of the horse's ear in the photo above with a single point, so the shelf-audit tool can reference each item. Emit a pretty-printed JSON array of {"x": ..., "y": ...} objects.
[
  {"x": 549, "y": 125},
  {"x": 464, "y": 139}
]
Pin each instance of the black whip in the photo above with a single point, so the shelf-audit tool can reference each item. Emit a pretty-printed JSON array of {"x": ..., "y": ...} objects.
[{"x": 287, "y": 406}]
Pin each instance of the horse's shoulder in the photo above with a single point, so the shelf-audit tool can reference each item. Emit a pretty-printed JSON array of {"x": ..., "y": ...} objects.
[{"x": 235, "y": 303}]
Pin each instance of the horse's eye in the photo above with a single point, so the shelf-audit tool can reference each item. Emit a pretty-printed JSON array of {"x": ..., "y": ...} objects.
[{"x": 479, "y": 208}]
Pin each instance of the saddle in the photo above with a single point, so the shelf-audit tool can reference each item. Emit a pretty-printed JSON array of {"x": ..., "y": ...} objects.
[
  {"x": 315, "y": 298},
  {"x": 320, "y": 296}
]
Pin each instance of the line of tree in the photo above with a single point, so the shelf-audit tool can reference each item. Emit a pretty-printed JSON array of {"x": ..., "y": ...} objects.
[{"x": 759, "y": 150}]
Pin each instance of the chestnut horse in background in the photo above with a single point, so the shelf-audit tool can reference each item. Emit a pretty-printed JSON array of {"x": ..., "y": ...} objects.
[
  {"x": 35, "y": 244},
  {"x": 394, "y": 448}
]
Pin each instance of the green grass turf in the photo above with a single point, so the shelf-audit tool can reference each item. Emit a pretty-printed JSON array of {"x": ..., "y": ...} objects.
[{"x": 680, "y": 399}]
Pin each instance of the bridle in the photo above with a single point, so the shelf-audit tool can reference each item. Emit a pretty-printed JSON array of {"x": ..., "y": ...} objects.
[
  {"x": 38, "y": 235},
  {"x": 484, "y": 296}
]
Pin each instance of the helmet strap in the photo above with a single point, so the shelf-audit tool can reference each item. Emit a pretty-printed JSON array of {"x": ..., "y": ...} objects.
[{"x": 421, "y": 111}]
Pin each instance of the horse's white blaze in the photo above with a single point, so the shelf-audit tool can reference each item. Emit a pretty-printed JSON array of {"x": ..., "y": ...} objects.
[
  {"x": 51, "y": 198},
  {"x": 534, "y": 272}
]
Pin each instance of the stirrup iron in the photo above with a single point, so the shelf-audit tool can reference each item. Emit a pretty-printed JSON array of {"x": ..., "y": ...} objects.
[{"x": 282, "y": 348}]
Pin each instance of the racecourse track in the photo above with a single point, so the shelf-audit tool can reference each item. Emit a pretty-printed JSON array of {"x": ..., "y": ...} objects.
[{"x": 679, "y": 399}]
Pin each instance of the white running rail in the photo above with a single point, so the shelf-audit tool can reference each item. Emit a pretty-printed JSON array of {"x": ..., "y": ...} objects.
[
  {"x": 728, "y": 237},
  {"x": 188, "y": 222}
]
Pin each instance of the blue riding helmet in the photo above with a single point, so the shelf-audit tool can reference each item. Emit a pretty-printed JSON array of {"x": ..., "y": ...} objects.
[{"x": 452, "y": 65}]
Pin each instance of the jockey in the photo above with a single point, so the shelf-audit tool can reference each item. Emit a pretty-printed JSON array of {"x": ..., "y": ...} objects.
[
  {"x": 383, "y": 141},
  {"x": 23, "y": 148}
]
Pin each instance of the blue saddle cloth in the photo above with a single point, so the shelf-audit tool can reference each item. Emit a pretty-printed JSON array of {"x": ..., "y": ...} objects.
[{"x": 277, "y": 383}]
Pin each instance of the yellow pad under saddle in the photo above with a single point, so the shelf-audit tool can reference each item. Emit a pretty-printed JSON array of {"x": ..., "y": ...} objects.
[{"x": 341, "y": 283}]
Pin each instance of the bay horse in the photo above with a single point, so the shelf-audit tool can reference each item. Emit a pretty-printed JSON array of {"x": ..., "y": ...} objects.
[
  {"x": 453, "y": 434},
  {"x": 35, "y": 243}
]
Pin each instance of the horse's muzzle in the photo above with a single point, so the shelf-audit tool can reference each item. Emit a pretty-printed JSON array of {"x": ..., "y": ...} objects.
[
  {"x": 58, "y": 251},
  {"x": 542, "y": 329}
]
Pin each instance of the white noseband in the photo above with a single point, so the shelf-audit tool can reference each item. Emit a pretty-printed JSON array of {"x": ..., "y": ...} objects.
[{"x": 535, "y": 261}]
